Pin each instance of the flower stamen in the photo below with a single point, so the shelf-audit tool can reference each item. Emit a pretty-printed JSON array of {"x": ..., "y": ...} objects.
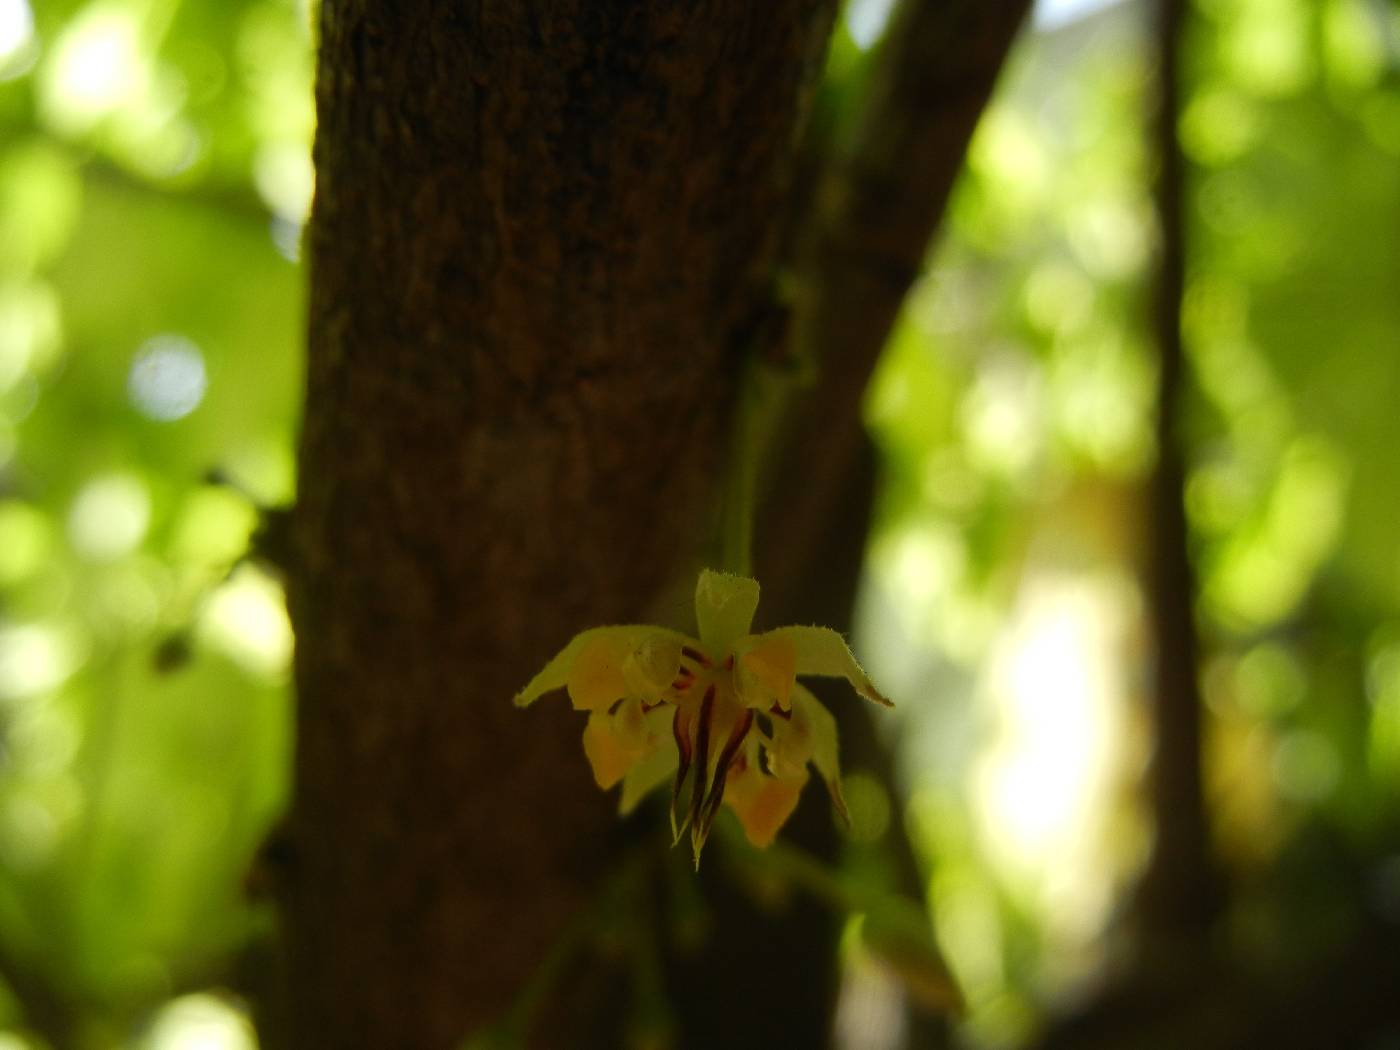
[
  {"x": 680, "y": 729},
  {"x": 744, "y": 729},
  {"x": 702, "y": 755},
  {"x": 716, "y": 796}
]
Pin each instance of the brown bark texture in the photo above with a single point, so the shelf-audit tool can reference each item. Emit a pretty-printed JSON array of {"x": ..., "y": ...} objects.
[{"x": 541, "y": 232}]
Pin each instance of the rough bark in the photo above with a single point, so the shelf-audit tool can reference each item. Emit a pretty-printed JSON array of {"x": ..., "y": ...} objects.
[{"x": 539, "y": 237}]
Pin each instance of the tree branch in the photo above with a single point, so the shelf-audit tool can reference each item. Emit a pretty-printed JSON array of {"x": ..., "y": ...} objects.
[
  {"x": 861, "y": 244},
  {"x": 872, "y": 218},
  {"x": 1181, "y": 892}
]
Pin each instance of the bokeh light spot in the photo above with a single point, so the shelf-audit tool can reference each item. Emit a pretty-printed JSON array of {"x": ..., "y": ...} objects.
[
  {"x": 285, "y": 179},
  {"x": 1059, "y": 298},
  {"x": 1270, "y": 48},
  {"x": 869, "y": 805},
  {"x": 1218, "y": 126},
  {"x": 247, "y": 619},
  {"x": 1044, "y": 785},
  {"x": 200, "y": 1022},
  {"x": 40, "y": 199},
  {"x": 30, "y": 329},
  {"x": 44, "y": 737},
  {"x": 1306, "y": 767},
  {"x": 1269, "y": 681},
  {"x": 96, "y": 69},
  {"x": 25, "y": 541},
  {"x": 1002, "y": 415},
  {"x": 16, "y": 38},
  {"x": 167, "y": 379},
  {"x": 109, "y": 517},
  {"x": 35, "y": 658},
  {"x": 286, "y": 237},
  {"x": 213, "y": 526},
  {"x": 866, "y": 20},
  {"x": 1111, "y": 238}
]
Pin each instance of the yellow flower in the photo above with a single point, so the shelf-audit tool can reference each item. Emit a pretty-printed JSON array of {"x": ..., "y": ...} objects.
[{"x": 723, "y": 712}]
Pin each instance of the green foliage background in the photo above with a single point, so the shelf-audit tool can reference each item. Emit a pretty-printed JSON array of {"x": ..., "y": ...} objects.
[
  {"x": 154, "y": 169},
  {"x": 154, "y": 174}
]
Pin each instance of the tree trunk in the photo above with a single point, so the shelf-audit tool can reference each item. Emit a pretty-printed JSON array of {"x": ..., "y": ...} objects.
[{"x": 541, "y": 233}]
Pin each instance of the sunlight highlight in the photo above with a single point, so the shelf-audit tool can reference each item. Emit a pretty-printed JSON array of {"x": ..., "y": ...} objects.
[
  {"x": 1045, "y": 788},
  {"x": 866, "y": 20},
  {"x": 200, "y": 1022},
  {"x": 285, "y": 180},
  {"x": 96, "y": 69},
  {"x": 109, "y": 517},
  {"x": 247, "y": 619},
  {"x": 36, "y": 658},
  {"x": 1049, "y": 15},
  {"x": 16, "y": 38},
  {"x": 1002, "y": 416}
]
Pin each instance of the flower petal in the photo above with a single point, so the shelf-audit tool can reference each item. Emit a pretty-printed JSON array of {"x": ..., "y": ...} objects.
[
  {"x": 620, "y": 742},
  {"x": 609, "y": 664},
  {"x": 555, "y": 674},
  {"x": 822, "y": 740},
  {"x": 790, "y": 749},
  {"x": 632, "y": 728},
  {"x": 652, "y": 665},
  {"x": 724, "y": 608},
  {"x": 607, "y": 754},
  {"x": 596, "y": 680},
  {"x": 822, "y": 651},
  {"x": 766, "y": 672},
  {"x": 762, "y": 803},
  {"x": 652, "y": 770}
]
